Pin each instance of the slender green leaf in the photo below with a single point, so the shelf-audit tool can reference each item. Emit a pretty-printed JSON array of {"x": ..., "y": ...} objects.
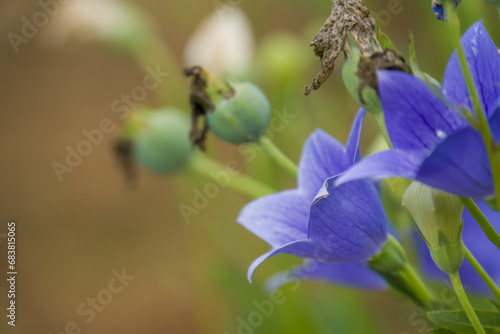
[
  {"x": 458, "y": 321},
  {"x": 384, "y": 40},
  {"x": 414, "y": 66},
  {"x": 495, "y": 304}
]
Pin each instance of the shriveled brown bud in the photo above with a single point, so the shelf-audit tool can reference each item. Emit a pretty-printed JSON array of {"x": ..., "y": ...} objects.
[
  {"x": 368, "y": 66},
  {"x": 348, "y": 16}
]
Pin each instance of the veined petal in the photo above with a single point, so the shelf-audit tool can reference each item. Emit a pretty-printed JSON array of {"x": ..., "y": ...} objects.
[
  {"x": 459, "y": 165},
  {"x": 495, "y": 126},
  {"x": 350, "y": 274},
  {"x": 323, "y": 156},
  {"x": 348, "y": 224},
  {"x": 352, "y": 146},
  {"x": 484, "y": 63},
  {"x": 415, "y": 116},
  {"x": 384, "y": 164},
  {"x": 279, "y": 218}
]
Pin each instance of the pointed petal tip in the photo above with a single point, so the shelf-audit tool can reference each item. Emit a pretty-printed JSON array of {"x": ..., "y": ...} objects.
[
  {"x": 352, "y": 145},
  {"x": 318, "y": 134},
  {"x": 257, "y": 262}
]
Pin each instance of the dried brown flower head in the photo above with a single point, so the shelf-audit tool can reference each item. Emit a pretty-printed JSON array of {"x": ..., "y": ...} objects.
[{"x": 348, "y": 16}]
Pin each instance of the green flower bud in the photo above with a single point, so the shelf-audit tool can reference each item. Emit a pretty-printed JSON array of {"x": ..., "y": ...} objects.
[
  {"x": 392, "y": 264},
  {"x": 392, "y": 257},
  {"x": 242, "y": 118},
  {"x": 160, "y": 139},
  {"x": 439, "y": 218},
  {"x": 237, "y": 113}
]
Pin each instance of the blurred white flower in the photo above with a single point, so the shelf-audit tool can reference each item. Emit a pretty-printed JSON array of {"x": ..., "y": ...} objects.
[
  {"x": 88, "y": 20},
  {"x": 222, "y": 43}
]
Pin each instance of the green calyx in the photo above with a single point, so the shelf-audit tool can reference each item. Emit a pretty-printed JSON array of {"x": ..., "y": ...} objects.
[
  {"x": 448, "y": 256},
  {"x": 391, "y": 258},
  {"x": 391, "y": 264}
]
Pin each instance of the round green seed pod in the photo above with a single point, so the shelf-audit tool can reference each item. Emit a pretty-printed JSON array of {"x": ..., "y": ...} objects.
[
  {"x": 243, "y": 117},
  {"x": 162, "y": 144}
]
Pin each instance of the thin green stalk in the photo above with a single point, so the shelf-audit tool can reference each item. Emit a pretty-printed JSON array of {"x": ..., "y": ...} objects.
[
  {"x": 464, "y": 300},
  {"x": 483, "y": 125},
  {"x": 413, "y": 281},
  {"x": 484, "y": 275},
  {"x": 392, "y": 264},
  {"x": 229, "y": 177},
  {"x": 481, "y": 219},
  {"x": 278, "y": 156},
  {"x": 454, "y": 26},
  {"x": 379, "y": 117}
]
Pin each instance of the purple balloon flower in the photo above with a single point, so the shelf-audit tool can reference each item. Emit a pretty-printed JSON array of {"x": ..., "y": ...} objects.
[
  {"x": 438, "y": 9},
  {"x": 479, "y": 245},
  {"x": 432, "y": 142},
  {"x": 342, "y": 225}
]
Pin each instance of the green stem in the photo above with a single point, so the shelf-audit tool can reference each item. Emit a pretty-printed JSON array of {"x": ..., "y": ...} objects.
[
  {"x": 392, "y": 264},
  {"x": 483, "y": 125},
  {"x": 481, "y": 219},
  {"x": 278, "y": 156},
  {"x": 454, "y": 26},
  {"x": 495, "y": 168},
  {"x": 379, "y": 117},
  {"x": 228, "y": 176},
  {"x": 484, "y": 275},
  {"x": 464, "y": 300},
  {"x": 413, "y": 281}
]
